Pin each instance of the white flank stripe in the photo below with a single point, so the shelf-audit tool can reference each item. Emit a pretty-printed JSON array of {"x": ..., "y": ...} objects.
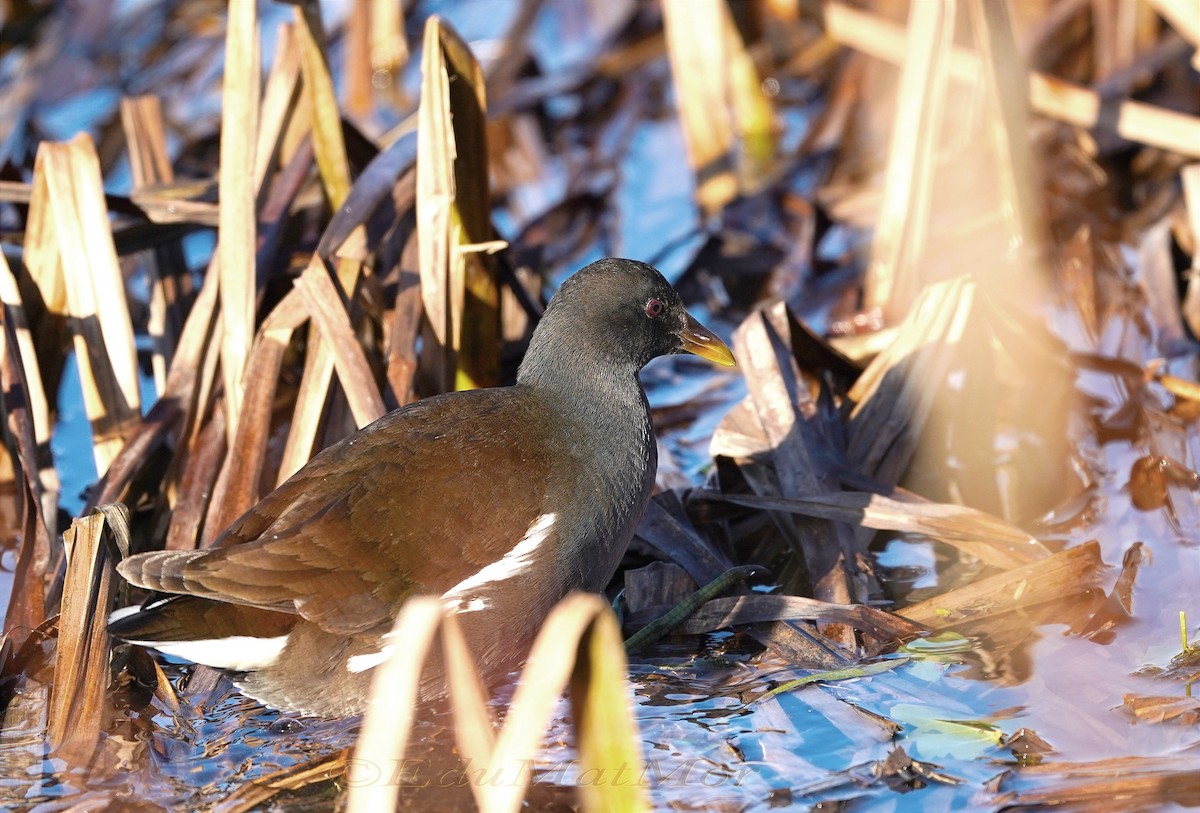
[
  {"x": 241, "y": 653},
  {"x": 459, "y": 605},
  {"x": 123, "y": 612},
  {"x": 510, "y": 564},
  {"x": 361, "y": 663},
  {"x": 460, "y": 598}
]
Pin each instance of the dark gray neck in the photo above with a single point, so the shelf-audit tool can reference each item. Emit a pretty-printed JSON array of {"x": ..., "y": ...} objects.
[
  {"x": 606, "y": 422},
  {"x": 600, "y": 398},
  {"x": 603, "y": 404},
  {"x": 567, "y": 357}
]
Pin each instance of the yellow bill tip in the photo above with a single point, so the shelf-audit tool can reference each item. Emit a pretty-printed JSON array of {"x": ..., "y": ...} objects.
[{"x": 703, "y": 342}]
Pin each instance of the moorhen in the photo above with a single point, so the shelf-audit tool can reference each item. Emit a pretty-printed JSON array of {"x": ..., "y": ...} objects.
[{"x": 499, "y": 500}]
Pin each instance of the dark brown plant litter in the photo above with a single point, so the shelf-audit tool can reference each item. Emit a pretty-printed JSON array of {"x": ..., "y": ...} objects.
[{"x": 946, "y": 509}]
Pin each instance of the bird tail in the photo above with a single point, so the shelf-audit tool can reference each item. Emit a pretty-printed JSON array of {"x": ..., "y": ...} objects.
[
  {"x": 161, "y": 571},
  {"x": 226, "y": 636}
]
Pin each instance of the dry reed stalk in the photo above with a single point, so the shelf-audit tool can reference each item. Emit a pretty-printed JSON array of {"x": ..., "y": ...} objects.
[
  {"x": 1006, "y": 121},
  {"x": 234, "y": 260},
  {"x": 330, "y": 147},
  {"x": 976, "y": 533},
  {"x": 785, "y": 408},
  {"x": 727, "y": 121},
  {"x": 742, "y": 438},
  {"x": 1159, "y": 281},
  {"x": 251, "y": 795},
  {"x": 171, "y": 204},
  {"x": 311, "y": 399},
  {"x": 1114, "y": 41},
  {"x": 81, "y": 673},
  {"x": 279, "y": 102},
  {"x": 435, "y": 196},
  {"x": 19, "y": 334},
  {"x": 219, "y": 507},
  {"x": 279, "y": 198},
  {"x": 458, "y": 281},
  {"x": 71, "y": 256},
  {"x": 1190, "y": 176},
  {"x": 175, "y": 418},
  {"x": 141, "y": 119},
  {"x": 579, "y": 645},
  {"x": 606, "y": 730},
  {"x": 197, "y": 486},
  {"x": 402, "y": 334},
  {"x": 334, "y": 167},
  {"x": 387, "y": 725},
  {"x": 330, "y": 315},
  {"x": 1014, "y": 379},
  {"x": 1049, "y": 96},
  {"x": 356, "y": 60},
  {"x": 893, "y": 275},
  {"x": 34, "y": 484},
  {"x": 1139, "y": 783},
  {"x": 387, "y": 183},
  {"x": 186, "y": 529},
  {"x": 315, "y": 383},
  {"x": 959, "y": 196},
  {"x": 753, "y": 115},
  {"x": 243, "y": 471},
  {"x": 150, "y": 165},
  {"x": 1134, "y": 121},
  {"x": 389, "y": 45},
  {"x": 285, "y": 123},
  {"x": 892, "y": 407},
  {"x": 833, "y": 119},
  {"x": 664, "y": 527},
  {"x": 1058, "y": 577},
  {"x": 723, "y": 613},
  {"x": 284, "y": 134},
  {"x": 297, "y": 128},
  {"x": 15, "y": 192},
  {"x": 1184, "y": 17}
]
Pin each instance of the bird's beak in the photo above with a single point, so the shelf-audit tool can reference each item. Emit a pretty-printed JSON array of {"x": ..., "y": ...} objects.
[{"x": 704, "y": 343}]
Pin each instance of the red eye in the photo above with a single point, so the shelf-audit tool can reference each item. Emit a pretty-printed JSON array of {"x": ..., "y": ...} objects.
[{"x": 655, "y": 308}]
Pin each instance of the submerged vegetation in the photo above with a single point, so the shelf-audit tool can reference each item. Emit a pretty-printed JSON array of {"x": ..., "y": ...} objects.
[{"x": 931, "y": 546}]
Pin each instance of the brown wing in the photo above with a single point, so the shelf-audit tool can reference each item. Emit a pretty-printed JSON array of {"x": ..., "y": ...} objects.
[{"x": 415, "y": 502}]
